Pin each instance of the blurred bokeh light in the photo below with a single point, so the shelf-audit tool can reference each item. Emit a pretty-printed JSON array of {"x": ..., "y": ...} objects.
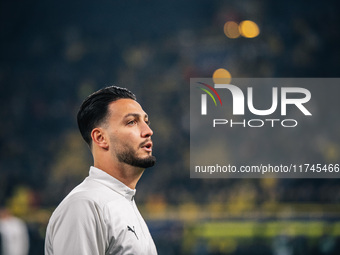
[
  {"x": 249, "y": 29},
  {"x": 231, "y": 29},
  {"x": 221, "y": 76}
]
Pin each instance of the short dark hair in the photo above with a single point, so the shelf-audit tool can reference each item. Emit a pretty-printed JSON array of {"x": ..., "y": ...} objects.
[{"x": 94, "y": 110}]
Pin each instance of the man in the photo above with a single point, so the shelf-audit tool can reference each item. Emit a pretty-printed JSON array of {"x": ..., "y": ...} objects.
[
  {"x": 100, "y": 216},
  {"x": 14, "y": 238}
]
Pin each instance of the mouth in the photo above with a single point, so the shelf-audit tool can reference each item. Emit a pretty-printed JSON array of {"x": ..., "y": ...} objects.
[{"x": 147, "y": 146}]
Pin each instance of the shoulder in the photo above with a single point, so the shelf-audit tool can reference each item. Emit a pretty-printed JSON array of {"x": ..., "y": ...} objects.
[
  {"x": 87, "y": 199},
  {"x": 93, "y": 192},
  {"x": 78, "y": 221},
  {"x": 80, "y": 211}
]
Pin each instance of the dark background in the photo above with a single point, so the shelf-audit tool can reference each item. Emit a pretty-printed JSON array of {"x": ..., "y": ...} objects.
[{"x": 54, "y": 53}]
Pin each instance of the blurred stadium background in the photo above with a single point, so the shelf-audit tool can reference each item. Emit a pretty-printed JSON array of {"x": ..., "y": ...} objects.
[{"x": 54, "y": 53}]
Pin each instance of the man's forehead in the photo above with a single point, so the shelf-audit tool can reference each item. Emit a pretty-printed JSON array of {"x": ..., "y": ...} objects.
[{"x": 123, "y": 107}]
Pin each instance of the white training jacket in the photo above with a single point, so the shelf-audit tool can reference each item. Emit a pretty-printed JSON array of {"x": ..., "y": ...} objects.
[{"x": 98, "y": 217}]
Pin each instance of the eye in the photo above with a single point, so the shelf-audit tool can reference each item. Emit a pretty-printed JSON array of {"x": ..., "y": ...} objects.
[
  {"x": 131, "y": 122},
  {"x": 148, "y": 122}
]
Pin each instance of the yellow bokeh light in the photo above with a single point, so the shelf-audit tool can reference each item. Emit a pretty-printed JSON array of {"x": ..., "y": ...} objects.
[
  {"x": 249, "y": 29},
  {"x": 231, "y": 29},
  {"x": 221, "y": 76}
]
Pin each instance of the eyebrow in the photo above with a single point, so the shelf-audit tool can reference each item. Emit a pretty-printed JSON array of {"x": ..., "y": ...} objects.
[{"x": 136, "y": 115}]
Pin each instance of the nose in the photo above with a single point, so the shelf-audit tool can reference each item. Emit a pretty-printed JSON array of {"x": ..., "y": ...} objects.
[{"x": 146, "y": 131}]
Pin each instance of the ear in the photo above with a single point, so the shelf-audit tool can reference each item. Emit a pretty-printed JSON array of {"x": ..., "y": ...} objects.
[{"x": 99, "y": 138}]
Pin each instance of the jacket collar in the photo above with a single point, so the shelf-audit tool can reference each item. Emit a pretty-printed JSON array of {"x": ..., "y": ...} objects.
[{"x": 111, "y": 182}]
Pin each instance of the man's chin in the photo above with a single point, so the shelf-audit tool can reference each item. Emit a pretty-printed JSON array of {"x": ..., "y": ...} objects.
[
  {"x": 146, "y": 162},
  {"x": 133, "y": 159}
]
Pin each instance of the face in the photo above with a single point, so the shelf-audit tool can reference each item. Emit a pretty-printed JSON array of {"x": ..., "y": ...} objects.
[{"x": 130, "y": 134}]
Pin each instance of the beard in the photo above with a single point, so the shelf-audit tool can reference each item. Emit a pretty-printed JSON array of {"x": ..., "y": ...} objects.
[{"x": 129, "y": 157}]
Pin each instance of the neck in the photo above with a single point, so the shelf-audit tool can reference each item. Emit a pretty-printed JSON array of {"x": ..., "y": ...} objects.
[{"x": 129, "y": 175}]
